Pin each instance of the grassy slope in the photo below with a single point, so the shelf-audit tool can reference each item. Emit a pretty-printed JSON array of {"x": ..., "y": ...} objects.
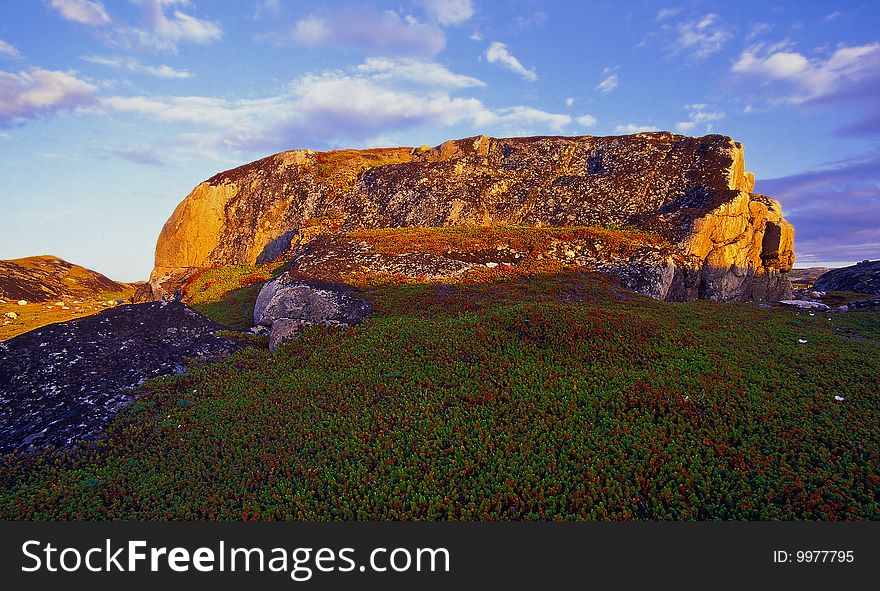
[{"x": 541, "y": 398}]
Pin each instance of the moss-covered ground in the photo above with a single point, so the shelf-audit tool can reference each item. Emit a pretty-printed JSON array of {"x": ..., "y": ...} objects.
[{"x": 545, "y": 397}]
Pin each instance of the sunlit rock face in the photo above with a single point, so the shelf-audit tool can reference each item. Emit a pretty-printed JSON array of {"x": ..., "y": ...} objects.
[{"x": 725, "y": 242}]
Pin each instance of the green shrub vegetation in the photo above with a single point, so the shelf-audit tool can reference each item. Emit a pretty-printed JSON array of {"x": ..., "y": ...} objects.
[
  {"x": 546, "y": 397},
  {"x": 227, "y": 294}
]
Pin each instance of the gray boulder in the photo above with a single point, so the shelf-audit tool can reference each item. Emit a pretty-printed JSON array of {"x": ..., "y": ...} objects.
[{"x": 288, "y": 304}]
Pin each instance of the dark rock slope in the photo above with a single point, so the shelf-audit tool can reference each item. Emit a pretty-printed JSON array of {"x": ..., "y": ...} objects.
[
  {"x": 861, "y": 278},
  {"x": 728, "y": 242},
  {"x": 61, "y": 383}
]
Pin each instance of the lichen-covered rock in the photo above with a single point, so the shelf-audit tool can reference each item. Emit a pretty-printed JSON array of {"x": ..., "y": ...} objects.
[
  {"x": 60, "y": 384},
  {"x": 863, "y": 277},
  {"x": 288, "y": 305},
  {"x": 731, "y": 244}
]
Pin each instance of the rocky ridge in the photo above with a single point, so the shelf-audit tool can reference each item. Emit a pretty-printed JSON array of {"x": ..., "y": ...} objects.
[
  {"x": 48, "y": 278},
  {"x": 863, "y": 277},
  {"x": 724, "y": 242}
]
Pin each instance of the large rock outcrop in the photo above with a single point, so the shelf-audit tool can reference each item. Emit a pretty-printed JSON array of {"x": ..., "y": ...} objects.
[{"x": 728, "y": 242}]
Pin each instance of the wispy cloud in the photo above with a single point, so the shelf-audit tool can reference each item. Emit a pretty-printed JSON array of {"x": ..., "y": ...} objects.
[
  {"x": 86, "y": 12},
  {"x": 802, "y": 78},
  {"x": 669, "y": 12},
  {"x": 610, "y": 81},
  {"x": 536, "y": 19},
  {"x": 697, "y": 117},
  {"x": 634, "y": 128},
  {"x": 417, "y": 71},
  {"x": 701, "y": 37},
  {"x": 499, "y": 54},
  {"x": 38, "y": 92},
  {"x": 383, "y": 33},
  {"x": 266, "y": 9},
  {"x": 586, "y": 121},
  {"x": 448, "y": 12},
  {"x": 130, "y": 64},
  {"x": 164, "y": 26},
  {"x": 145, "y": 154},
  {"x": 8, "y": 51},
  {"x": 336, "y": 107}
]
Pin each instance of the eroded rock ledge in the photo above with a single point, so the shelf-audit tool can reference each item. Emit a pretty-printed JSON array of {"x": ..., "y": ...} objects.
[{"x": 729, "y": 243}]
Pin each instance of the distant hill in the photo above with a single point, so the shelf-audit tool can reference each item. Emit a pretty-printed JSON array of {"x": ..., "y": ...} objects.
[
  {"x": 52, "y": 290},
  {"x": 863, "y": 277},
  {"x": 48, "y": 278},
  {"x": 804, "y": 278}
]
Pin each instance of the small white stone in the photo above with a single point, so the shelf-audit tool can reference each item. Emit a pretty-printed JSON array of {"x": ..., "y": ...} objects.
[
  {"x": 491, "y": 265},
  {"x": 802, "y": 341},
  {"x": 22, "y": 302},
  {"x": 839, "y": 398}
]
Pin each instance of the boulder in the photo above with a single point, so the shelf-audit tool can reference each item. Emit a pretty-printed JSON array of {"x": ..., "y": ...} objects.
[
  {"x": 288, "y": 304},
  {"x": 806, "y": 305}
]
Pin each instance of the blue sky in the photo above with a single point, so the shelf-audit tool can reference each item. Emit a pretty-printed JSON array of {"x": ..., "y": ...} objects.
[{"x": 112, "y": 110}]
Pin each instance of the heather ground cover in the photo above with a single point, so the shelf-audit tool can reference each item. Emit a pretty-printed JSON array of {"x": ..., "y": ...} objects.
[{"x": 542, "y": 397}]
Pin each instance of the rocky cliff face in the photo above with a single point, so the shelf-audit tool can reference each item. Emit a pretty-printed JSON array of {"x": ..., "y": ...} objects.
[{"x": 724, "y": 241}]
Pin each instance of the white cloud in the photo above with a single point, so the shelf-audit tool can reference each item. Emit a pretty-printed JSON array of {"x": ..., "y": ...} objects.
[
  {"x": 525, "y": 115},
  {"x": 610, "y": 81},
  {"x": 164, "y": 31},
  {"x": 384, "y": 33},
  {"x": 569, "y": 101},
  {"x": 634, "y": 128},
  {"x": 422, "y": 72},
  {"x": 586, "y": 121},
  {"x": 331, "y": 108},
  {"x": 498, "y": 53},
  {"x": 809, "y": 78},
  {"x": 266, "y": 8},
  {"x": 8, "y": 51},
  {"x": 38, "y": 92},
  {"x": 476, "y": 36},
  {"x": 448, "y": 12},
  {"x": 536, "y": 19},
  {"x": 133, "y": 65},
  {"x": 758, "y": 29},
  {"x": 698, "y": 117},
  {"x": 665, "y": 13},
  {"x": 700, "y": 38},
  {"x": 86, "y": 12}
]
